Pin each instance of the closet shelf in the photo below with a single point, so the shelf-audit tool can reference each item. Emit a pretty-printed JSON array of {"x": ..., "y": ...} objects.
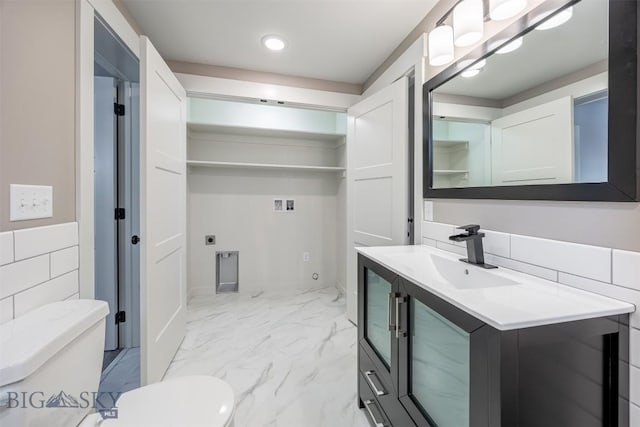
[
  {"x": 273, "y": 166},
  {"x": 279, "y": 133},
  {"x": 450, "y": 171}
]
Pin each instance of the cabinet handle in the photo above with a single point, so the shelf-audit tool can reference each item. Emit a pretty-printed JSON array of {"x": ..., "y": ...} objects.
[
  {"x": 368, "y": 404},
  {"x": 392, "y": 295},
  {"x": 378, "y": 391},
  {"x": 399, "y": 333}
]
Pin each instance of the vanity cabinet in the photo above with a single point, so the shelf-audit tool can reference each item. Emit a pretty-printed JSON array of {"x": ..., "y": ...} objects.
[{"x": 424, "y": 362}]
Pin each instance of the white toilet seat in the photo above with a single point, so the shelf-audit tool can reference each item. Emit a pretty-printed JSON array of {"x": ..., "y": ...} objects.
[{"x": 190, "y": 401}]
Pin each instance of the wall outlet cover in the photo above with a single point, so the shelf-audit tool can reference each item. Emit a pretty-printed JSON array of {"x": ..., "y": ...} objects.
[
  {"x": 278, "y": 205},
  {"x": 290, "y": 205},
  {"x": 30, "y": 202}
]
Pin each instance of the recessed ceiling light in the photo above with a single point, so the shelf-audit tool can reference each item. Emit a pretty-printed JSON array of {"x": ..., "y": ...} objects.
[
  {"x": 510, "y": 47},
  {"x": 471, "y": 72},
  {"x": 556, "y": 20},
  {"x": 273, "y": 42}
]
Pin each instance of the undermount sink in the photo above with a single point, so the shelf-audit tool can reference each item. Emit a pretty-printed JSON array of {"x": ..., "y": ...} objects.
[{"x": 453, "y": 272}]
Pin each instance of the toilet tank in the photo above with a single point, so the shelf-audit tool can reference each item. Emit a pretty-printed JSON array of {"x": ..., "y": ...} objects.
[{"x": 50, "y": 364}]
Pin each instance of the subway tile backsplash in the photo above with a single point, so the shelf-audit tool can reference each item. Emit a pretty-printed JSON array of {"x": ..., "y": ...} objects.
[
  {"x": 605, "y": 271},
  {"x": 37, "y": 266}
]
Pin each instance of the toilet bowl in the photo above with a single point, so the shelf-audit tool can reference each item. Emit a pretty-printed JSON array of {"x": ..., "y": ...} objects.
[
  {"x": 198, "y": 400},
  {"x": 50, "y": 364}
]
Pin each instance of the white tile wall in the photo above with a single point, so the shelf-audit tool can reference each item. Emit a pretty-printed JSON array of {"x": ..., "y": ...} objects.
[
  {"x": 635, "y": 347},
  {"x": 635, "y": 415},
  {"x": 57, "y": 289},
  {"x": 605, "y": 271},
  {"x": 6, "y": 309},
  {"x": 37, "y": 266},
  {"x": 41, "y": 240},
  {"x": 18, "y": 276},
  {"x": 6, "y": 247},
  {"x": 586, "y": 261},
  {"x": 64, "y": 261},
  {"x": 626, "y": 269}
]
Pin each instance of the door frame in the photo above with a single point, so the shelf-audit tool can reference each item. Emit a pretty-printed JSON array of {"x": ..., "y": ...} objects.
[{"x": 86, "y": 10}]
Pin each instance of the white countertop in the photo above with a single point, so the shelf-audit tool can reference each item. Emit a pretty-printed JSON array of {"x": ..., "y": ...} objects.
[{"x": 531, "y": 301}]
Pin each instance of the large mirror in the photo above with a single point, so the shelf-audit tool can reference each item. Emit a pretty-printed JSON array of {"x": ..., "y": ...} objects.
[{"x": 545, "y": 110}]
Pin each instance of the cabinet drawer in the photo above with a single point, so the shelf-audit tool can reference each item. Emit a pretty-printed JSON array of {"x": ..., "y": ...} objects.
[
  {"x": 375, "y": 387},
  {"x": 371, "y": 405}
]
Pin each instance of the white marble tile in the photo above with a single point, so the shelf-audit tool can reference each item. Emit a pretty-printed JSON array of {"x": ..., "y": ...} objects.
[
  {"x": 21, "y": 275},
  {"x": 57, "y": 289},
  {"x": 6, "y": 247},
  {"x": 626, "y": 269},
  {"x": 634, "y": 346},
  {"x": 6, "y": 309},
  {"x": 587, "y": 261},
  {"x": 438, "y": 230},
  {"x": 606, "y": 289},
  {"x": 40, "y": 240},
  {"x": 290, "y": 358},
  {"x": 64, "y": 261}
]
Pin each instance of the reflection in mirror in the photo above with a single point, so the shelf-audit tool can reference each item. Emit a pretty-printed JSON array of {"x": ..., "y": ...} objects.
[{"x": 534, "y": 112}]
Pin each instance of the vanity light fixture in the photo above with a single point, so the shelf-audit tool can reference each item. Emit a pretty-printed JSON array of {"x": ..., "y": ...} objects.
[
  {"x": 500, "y": 10},
  {"x": 510, "y": 47},
  {"x": 556, "y": 20},
  {"x": 441, "y": 45},
  {"x": 468, "y": 22},
  {"x": 273, "y": 42}
]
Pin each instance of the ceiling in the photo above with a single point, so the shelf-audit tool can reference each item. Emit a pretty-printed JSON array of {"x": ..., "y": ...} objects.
[
  {"x": 344, "y": 41},
  {"x": 543, "y": 56}
]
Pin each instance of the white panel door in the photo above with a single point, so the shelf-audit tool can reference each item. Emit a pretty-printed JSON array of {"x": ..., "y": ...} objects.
[
  {"x": 377, "y": 177},
  {"x": 534, "y": 146},
  {"x": 162, "y": 213}
]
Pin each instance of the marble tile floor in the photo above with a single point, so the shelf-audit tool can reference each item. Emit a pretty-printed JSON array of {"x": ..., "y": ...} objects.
[
  {"x": 123, "y": 374},
  {"x": 290, "y": 357}
]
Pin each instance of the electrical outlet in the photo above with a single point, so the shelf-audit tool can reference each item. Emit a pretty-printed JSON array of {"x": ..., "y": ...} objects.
[
  {"x": 306, "y": 256},
  {"x": 210, "y": 239},
  {"x": 30, "y": 202}
]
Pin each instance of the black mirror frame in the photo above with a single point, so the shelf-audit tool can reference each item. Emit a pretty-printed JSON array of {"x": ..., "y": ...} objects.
[{"x": 623, "y": 135}]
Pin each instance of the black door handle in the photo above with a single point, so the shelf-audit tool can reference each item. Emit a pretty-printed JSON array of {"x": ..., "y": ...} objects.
[{"x": 135, "y": 240}]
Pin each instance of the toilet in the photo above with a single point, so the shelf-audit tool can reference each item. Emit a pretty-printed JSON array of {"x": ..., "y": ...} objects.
[{"x": 50, "y": 364}]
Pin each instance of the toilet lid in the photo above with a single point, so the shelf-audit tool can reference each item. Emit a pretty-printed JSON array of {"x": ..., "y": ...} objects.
[{"x": 190, "y": 401}]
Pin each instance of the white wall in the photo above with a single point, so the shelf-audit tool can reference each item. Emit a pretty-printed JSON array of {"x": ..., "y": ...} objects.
[
  {"x": 236, "y": 206},
  {"x": 37, "y": 266}
]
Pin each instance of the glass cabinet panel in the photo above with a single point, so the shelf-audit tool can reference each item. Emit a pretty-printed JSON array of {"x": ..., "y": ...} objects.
[
  {"x": 439, "y": 366},
  {"x": 377, "y": 320}
]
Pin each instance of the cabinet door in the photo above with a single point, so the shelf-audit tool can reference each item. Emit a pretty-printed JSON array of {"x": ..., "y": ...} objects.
[
  {"x": 442, "y": 362},
  {"x": 379, "y": 289}
]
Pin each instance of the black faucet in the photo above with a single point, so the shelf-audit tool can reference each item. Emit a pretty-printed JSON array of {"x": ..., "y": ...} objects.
[{"x": 475, "y": 252}]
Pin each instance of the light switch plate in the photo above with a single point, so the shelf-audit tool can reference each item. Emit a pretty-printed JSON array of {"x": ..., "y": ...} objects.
[{"x": 30, "y": 202}]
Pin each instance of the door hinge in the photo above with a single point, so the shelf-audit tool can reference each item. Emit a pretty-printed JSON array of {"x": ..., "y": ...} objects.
[
  {"x": 119, "y": 213},
  {"x": 118, "y": 109},
  {"x": 121, "y": 317}
]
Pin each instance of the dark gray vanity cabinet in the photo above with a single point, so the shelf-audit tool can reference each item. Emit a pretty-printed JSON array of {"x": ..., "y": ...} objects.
[{"x": 424, "y": 362}]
